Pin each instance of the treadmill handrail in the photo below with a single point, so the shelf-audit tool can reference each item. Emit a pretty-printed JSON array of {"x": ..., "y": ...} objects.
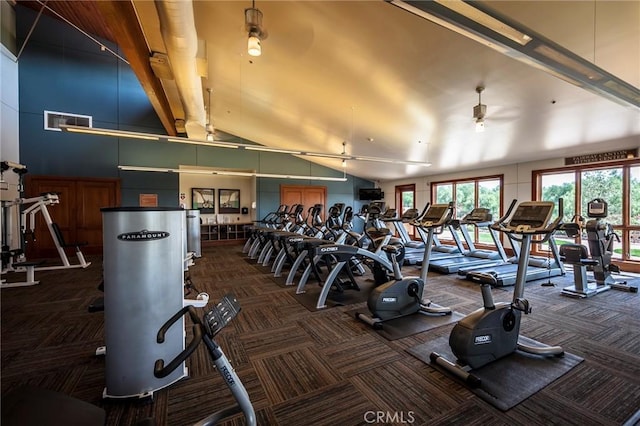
[
  {"x": 508, "y": 213},
  {"x": 417, "y": 219},
  {"x": 424, "y": 210}
]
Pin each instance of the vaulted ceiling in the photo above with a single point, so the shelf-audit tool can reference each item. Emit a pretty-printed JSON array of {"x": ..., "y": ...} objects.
[{"x": 385, "y": 81}]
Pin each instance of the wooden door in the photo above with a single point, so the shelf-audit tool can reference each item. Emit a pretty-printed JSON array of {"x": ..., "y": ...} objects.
[
  {"x": 304, "y": 194},
  {"x": 78, "y": 213},
  {"x": 91, "y": 197}
]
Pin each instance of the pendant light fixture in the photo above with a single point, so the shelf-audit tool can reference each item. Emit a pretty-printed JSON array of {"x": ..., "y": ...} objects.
[
  {"x": 253, "y": 25},
  {"x": 479, "y": 111}
]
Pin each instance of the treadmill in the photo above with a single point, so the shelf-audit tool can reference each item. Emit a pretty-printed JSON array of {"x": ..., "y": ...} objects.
[
  {"x": 413, "y": 249},
  {"x": 431, "y": 223},
  {"x": 439, "y": 250},
  {"x": 472, "y": 258},
  {"x": 538, "y": 267},
  {"x": 429, "y": 233}
]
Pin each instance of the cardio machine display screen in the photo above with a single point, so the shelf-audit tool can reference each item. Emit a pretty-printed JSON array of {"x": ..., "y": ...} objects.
[
  {"x": 434, "y": 214},
  {"x": 595, "y": 209},
  {"x": 479, "y": 215},
  {"x": 534, "y": 216}
]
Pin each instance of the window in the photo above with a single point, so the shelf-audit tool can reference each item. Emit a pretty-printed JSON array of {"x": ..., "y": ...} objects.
[
  {"x": 405, "y": 200},
  {"x": 553, "y": 187},
  {"x": 634, "y": 213},
  {"x": 634, "y": 199},
  {"x": 489, "y": 196},
  {"x": 560, "y": 185},
  {"x": 617, "y": 183},
  {"x": 468, "y": 194},
  {"x": 465, "y": 198},
  {"x": 443, "y": 193}
]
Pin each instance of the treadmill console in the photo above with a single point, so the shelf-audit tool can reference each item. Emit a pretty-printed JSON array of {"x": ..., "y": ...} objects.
[
  {"x": 478, "y": 215},
  {"x": 388, "y": 214},
  {"x": 380, "y": 205},
  {"x": 436, "y": 215},
  {"x": 409, "y": 215},
  {"x": 531, "y": 216}
]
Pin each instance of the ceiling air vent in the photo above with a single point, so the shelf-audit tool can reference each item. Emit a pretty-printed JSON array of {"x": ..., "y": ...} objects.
[{"x": 53, "y": 120}]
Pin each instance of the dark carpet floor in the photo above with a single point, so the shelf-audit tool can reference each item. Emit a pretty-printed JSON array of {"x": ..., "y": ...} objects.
[{"x": 324, "y": 368}]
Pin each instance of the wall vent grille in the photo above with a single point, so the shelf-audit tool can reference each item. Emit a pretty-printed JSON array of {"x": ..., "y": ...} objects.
[{"x": 53, "y": 120}]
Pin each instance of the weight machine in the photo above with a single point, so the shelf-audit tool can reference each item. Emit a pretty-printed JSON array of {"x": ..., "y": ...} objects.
[
  {"x": 13, "y": 252},
  {"x": 600, "y": 238}
]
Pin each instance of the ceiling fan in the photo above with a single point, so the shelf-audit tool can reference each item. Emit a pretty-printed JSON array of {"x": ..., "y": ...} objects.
[{"x": 498, "y": 115}]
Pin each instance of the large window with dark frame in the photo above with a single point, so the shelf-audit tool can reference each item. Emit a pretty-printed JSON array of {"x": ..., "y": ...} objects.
[
  {"x": 618, "y": 183},
  {"x": 467, "y": 194},
  {"x": 406, "y": 199}
]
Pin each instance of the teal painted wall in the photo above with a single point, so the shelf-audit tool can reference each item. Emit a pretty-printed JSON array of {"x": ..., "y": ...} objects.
[{"x": 62, "y": 70}]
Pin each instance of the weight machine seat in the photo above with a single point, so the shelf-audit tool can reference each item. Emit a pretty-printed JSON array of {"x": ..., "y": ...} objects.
[
  {"x": 30, "y": 406},
  {"x": 28, "y": 264},
  {"x": 576, "y": 254},
  {"x": 60, "y": 238}
]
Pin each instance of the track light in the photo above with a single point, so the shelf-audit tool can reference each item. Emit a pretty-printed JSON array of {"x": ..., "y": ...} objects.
[
  {"x": 222, "y": 144},
  {"x": 229, "y": 173},
  {"x": 253, "y": 25}
]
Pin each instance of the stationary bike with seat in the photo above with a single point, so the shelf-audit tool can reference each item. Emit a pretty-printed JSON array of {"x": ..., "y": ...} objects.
[
  {"x": 401, "y": 297},
  {"x": 492, "y": 332}
]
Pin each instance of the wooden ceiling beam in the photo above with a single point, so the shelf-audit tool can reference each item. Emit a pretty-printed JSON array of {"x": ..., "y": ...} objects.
[{"x": 120, "y": 17}]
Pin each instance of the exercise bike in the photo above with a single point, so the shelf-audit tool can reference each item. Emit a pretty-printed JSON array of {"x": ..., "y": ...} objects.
[
  {"x": 402, "y": 297},
  {"x": 492, "y": 332},
  {"x": 29, "y": 406},
  {"x": 204, "y": 329}
]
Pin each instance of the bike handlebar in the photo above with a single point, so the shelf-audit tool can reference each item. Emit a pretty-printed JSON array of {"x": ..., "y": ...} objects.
[{"x": 160, "y": 370}]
